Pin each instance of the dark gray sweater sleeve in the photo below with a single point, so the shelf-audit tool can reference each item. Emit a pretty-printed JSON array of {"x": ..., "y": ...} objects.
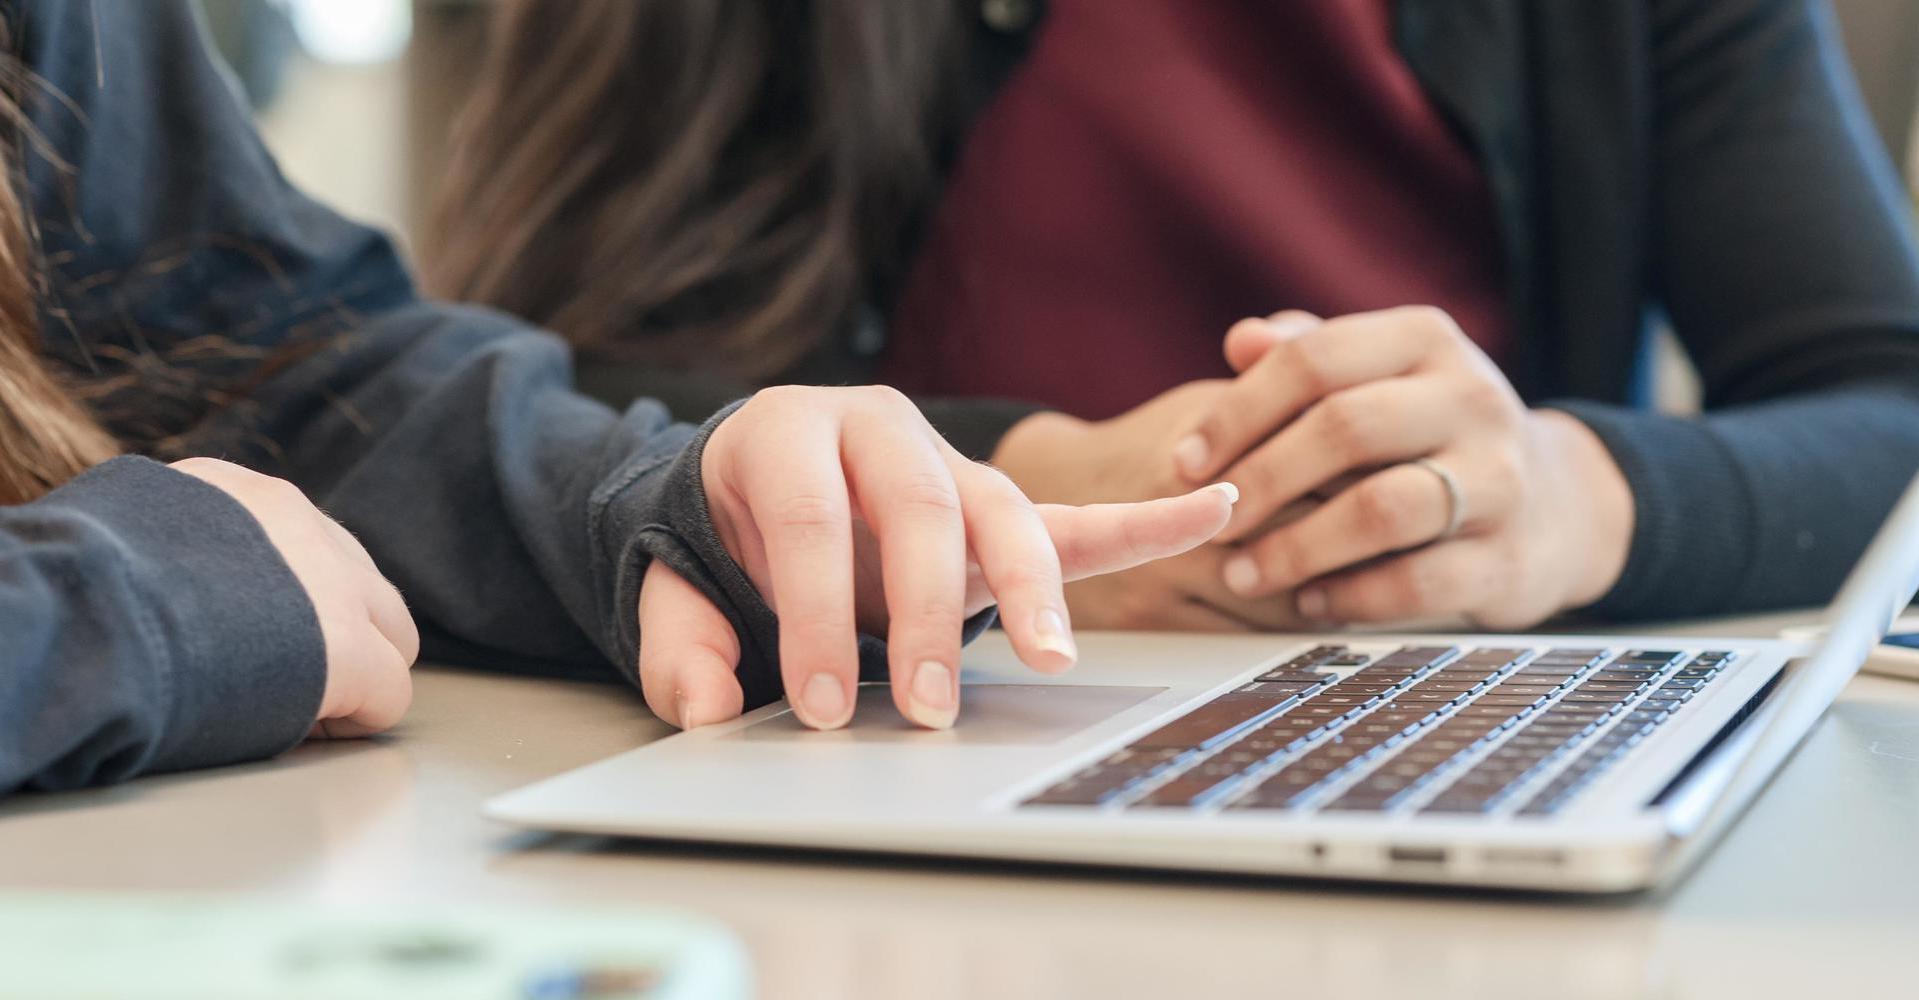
[
  {"x": 1785, "y": 263},
  {"x": 125, "y": 649}
]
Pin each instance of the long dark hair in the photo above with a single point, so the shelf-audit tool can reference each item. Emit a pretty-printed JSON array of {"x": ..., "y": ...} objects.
[
  {"x": 709, "y": 183},
  {"x": 46, "y": 435}
]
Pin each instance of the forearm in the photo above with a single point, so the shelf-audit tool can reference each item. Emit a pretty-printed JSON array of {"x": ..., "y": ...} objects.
[
  {"x": 149, "y": 626},
  {"x": 515, "y": 515},
  {"x": 1758, "y": 506}
]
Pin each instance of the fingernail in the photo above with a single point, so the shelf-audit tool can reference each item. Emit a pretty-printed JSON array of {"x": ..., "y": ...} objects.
[
  {"x": 824, "y": 701},
  {"x": 1190, "y": 456},
  {"x": 693, "y": 715},
  {"x": 1292, "y": 324},
  {"x": 1311, "y": 604},
  {"x": 1049, "y": 634},
  {"x": 932, "y": 695},
  {"x": 679, "y": 709},
  {"x": 1231, "y": 491},
  {"x": 1242, "y": 575}
]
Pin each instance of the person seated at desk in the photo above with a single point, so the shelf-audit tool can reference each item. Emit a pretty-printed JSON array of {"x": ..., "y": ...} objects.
[
  {"x": 163, "y": 290},
  {"x": 1065, "y": 203}
]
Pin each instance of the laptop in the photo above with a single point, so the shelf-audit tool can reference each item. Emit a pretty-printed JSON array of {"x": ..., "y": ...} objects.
[{"x": 1574, "y": 763}]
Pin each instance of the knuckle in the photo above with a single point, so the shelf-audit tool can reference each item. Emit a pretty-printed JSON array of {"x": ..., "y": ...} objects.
[
  {"x": 1257, "y": 476},
  {"x": 1303, "y": 358},
  {"x": 1386, "y": 508},
  {"x": 1000, "y": 488},
  {"x": 1283, "y": 560},
  {"x": 198, "y": 466},
  {"x": 1432, "y": 320},
  {"x": 885, "y": 399},
  {"x": 928, "y": 495},
  {"x": 1216, "y": 429},
  {"x": 1134, "y": 542},
  {"x": 1417, "y": 588},
  {"x": 1489, "y": 402},
  {"x": 822, "y": 622},
  {"x": 1030, "y": 574},
  {"x": 280, "y": 491},
  {"x": 1347, "y": 426},
  {"x": 779, "y": 397},
  {"x": 1506, "y": 476},
  {"x": 1249, "y": 326},
  {"x": 939, "y": 615},
  {"x": 809, "y": 516}
]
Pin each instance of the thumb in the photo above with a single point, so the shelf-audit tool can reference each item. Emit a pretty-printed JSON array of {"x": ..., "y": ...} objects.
[
  {"x": 688, "y": 652},
  {"x": 1107, "y": 538},
  {"x": 1250, "y": 339}
]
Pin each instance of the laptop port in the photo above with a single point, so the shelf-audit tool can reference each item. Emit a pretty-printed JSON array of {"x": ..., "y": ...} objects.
[
  {"x": 1525, "y": 857},
  {"x": 1417, "y": 855}
]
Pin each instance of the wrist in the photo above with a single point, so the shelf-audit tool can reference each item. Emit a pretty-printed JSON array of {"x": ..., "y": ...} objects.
[{"x": 1604, "y": 500}]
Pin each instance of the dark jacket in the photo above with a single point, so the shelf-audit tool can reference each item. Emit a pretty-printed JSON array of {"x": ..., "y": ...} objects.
[
  {"x": 1702, "y": 161},
  {"x": 146, "y": 623}
]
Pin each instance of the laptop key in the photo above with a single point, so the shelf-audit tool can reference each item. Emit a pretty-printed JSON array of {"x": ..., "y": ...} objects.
[
  {"x": 1619, "y": 689},
  {"x": 1407, "y": 717},
  {"x": 1499, "y": 698},
  {"x": 1210, "y": 721},
  {"x": 1105, "y": 778},
  {"x": 1286, "y": 688},
  {"x": 1526, "y": 686}
]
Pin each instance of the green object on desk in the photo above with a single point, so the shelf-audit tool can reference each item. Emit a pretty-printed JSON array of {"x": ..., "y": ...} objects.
[{"x": 83, "y": 946}]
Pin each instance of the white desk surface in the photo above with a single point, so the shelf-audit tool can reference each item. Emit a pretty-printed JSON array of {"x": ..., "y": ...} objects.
[{"x": 1815, "y": 893}]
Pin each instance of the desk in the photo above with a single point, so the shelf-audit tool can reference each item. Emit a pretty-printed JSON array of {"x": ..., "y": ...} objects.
[{"x": 1815, "y": 893}]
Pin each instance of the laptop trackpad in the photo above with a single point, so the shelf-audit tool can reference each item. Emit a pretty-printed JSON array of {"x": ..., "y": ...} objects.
[{"x": 989, "y": 714}]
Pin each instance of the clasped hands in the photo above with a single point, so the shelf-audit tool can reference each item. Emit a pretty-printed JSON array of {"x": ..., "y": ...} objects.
[
  {"x": 1389, "y": 473},
  {"x": 1385, "y": 471}
]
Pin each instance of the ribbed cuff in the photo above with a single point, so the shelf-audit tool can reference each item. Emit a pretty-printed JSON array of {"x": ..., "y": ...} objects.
[
  {"x": 243, "y": 657},
  {"x": 1693, "y": 519}
]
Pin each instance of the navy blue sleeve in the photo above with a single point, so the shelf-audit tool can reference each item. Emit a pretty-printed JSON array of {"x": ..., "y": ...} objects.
[{"x": 1784, "y": 257}]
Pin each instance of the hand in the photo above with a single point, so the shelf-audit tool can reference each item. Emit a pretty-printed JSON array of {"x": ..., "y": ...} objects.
[
  {"x": 1546, "y": 515},
  {"x": 850, "y": 514},
  {"x": 1182, "y": 593},
  {"x": 1056, "y": 458},
  {"x": 371, "y": 641}
]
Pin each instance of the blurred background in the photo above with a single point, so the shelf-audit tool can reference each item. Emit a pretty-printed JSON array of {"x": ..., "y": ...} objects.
[
  {"x": 355, "y": 95},
  {"x": 356, "y": 98}
]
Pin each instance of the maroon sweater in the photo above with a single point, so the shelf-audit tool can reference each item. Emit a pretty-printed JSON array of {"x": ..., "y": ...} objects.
[{"x": 1157, "y": 170}]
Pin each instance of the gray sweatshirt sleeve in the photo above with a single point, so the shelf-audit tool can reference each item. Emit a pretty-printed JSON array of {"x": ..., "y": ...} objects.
[
  {"x": 148, "y": 623},
  {"x": 123, "y": 648}
]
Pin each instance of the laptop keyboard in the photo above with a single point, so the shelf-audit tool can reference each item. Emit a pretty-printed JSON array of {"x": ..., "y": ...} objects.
[{"x": 1424, "y": 729}]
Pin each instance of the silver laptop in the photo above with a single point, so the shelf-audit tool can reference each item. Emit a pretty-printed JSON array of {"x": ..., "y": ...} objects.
[{"x": 1564, "y": 763}]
